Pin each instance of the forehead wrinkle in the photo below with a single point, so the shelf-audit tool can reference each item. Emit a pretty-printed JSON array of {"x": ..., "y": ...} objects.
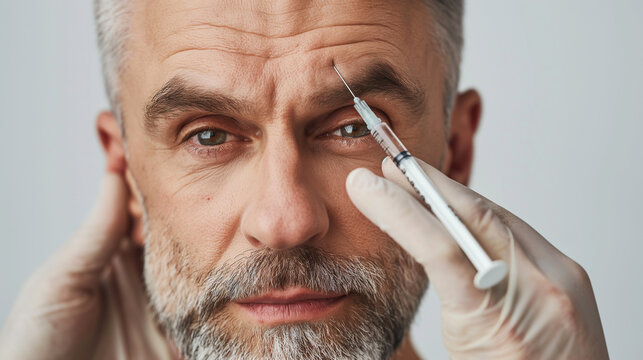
[
  {"x": 271, "y": 24},
  {"x": 269, "y": 56},
  {"x": 206, "y": 25},
  {"x": 239, "y": 34},
  {"x": 253, "y": 44}
]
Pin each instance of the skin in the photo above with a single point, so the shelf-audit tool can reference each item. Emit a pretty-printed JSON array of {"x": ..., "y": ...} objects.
[
  {"x": 283, "y": 185},
  {"x": 282, "y": 180}
]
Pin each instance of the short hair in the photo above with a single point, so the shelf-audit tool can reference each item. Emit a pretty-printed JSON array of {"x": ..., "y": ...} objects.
[
  {"x": 112, "y": 29},
  {"x": 449, "y": 38}
]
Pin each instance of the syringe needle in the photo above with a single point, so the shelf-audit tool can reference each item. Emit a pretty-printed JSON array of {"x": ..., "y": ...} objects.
[{"x": 344, "y": 81}]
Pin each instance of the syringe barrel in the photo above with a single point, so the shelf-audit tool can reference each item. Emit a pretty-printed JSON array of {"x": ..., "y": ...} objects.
[
  {"x": 389, "y": 141},
  {"x": 427, "y": 190},
  {"x": 429, "y": 193},
  {"x": 489, "y": 272}
]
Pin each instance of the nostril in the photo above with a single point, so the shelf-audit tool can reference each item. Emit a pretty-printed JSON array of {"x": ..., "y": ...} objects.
[{"x": 254, "y": 241}]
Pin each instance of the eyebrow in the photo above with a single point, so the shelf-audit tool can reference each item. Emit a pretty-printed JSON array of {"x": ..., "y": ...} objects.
[
  {"x": 178, "y": 96},
  {"x": 379, "y": 78}
]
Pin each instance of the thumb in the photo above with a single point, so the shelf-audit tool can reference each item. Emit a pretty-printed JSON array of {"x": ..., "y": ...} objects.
[
  {"x": 92, "y": 247},
  {"x": 416, "y": 230}
]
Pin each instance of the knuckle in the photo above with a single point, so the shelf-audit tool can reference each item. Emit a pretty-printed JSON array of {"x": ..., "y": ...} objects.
[
  {"x": 578, "y": 274},
  {"x": 573, "y": 277},
  {"x": 481, "y": 216}
]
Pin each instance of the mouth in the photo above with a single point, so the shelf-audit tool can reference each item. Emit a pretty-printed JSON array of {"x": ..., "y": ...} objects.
[{"x": 290, "y": 305}]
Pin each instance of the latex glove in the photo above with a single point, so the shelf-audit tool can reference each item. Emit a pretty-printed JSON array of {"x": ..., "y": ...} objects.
[
  {"x": 545, "y": 309},
  {"x": 58, "y": 311}
]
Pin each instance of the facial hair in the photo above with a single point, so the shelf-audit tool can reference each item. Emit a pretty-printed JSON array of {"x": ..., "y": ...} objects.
[{"x": 192, "y": 306}]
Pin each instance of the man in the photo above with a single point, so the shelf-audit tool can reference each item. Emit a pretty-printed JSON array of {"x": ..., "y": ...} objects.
[{"x": 235, "y": 161}]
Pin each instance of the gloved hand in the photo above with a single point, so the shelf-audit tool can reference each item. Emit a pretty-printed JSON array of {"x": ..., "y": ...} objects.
[
  {"x": 544, "y": 309},
  {"x": 58, "y": 312}
]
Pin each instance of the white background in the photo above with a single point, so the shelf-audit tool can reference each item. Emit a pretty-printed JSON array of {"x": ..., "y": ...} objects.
[{"x": 560, "y": 82}]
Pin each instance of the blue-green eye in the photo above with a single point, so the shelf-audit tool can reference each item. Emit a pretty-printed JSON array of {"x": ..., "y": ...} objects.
[
  {"x": 355, "y": 130},
  {"x": 211, "y": 137}
]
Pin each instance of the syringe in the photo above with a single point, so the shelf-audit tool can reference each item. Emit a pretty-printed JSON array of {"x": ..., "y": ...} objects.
[{"x": 489, "y": 273}]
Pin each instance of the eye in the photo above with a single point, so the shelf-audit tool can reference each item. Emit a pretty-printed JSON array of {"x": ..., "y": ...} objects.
[
  {"x": 354, "y": 130},
  {"x": 214, "y": 144},
  {"x": 211, "y": 137}
]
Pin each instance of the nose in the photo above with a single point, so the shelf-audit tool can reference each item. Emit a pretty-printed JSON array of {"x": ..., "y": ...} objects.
[{"x": 285, "y": 210}]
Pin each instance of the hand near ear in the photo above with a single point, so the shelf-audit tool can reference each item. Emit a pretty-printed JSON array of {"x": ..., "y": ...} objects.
[{"x": 58, "y": 311}]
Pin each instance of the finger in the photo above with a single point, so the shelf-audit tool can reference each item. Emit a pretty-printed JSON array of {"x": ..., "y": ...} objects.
[
  {"x": 477, "y": 213},
  {"x": 91, "y": 248},
  {"x": 418, "y": 232},
  {"x": 450, "y": 189}
]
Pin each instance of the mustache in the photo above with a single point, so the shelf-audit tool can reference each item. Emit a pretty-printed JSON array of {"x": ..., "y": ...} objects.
[{"x": 255, "y": 272}]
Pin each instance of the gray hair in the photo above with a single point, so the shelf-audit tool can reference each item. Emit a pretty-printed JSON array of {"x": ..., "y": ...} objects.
[
  {"x": 448, "y": 34},
  {"x": 112, "y": 29}
]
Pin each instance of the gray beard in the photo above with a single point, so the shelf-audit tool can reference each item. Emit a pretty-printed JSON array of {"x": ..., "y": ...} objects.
[{"x": 191, "y": 307}]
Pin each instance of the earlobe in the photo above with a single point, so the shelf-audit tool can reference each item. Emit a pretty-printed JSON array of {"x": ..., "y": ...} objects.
[
  {"x": 137, "y": 233},
  {"x": 465, "y": 119},
  {"x": 111, "y": 138}
]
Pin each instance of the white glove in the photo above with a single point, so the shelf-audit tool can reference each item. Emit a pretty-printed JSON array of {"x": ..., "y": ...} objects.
[
  {"x": 545, "y": 309},
  {"x": 58, "y": 312}
]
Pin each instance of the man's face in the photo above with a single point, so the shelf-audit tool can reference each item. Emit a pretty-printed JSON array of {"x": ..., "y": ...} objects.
[{"x": 240, "y": 136}]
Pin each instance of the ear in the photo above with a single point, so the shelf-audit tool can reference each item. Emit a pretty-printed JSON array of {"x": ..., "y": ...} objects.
[
  {"x": 109, "y": 133},
  {"x": 111, "y": 138},
  {"x": 465, "y": 119}
]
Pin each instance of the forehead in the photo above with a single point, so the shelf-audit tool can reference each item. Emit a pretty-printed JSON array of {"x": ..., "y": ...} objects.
[{"x": 230, "y": 44}]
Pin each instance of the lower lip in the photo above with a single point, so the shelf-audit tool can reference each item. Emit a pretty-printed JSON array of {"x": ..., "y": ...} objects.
[{"x": 270, "y": 314}]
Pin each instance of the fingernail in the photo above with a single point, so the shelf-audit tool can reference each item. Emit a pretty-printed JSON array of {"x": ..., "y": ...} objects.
[
  {"x": 384, "y": 161},
  {"x": 361, "y": 178}
]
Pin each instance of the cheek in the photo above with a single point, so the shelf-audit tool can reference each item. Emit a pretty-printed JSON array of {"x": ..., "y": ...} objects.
[
  {"x": 426, "y": 140},
  {"x": 203, "y": 210},
  {"x": 350, "y": 233},
  {"x": 202, "y": 213}
]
